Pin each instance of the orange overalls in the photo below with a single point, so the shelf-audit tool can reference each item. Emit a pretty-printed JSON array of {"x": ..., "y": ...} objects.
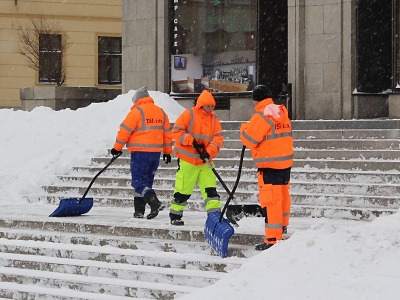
[{"x": 270, "y": 140}]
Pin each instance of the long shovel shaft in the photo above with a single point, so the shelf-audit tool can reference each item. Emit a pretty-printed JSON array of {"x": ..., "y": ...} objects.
[
  {"x": 219, "y": 177},
  {"x": 230, "y": 193},
  {"x": 97, "y": 175},
  {"x": 77, "y": 206}
]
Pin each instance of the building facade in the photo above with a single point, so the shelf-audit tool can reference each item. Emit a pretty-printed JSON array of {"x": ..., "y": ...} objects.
[
  {"x": 325, "y": 59},
  {"x": 93, "y": 57}
]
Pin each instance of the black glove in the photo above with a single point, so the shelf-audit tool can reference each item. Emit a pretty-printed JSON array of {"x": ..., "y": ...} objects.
[
  {"x": 204, "y": 155},
  {"x": 115, "y": 152},
  {"x": 166, "y": 158},
  {"x": 201, "y": 150},
  {"x": 196, "y": 145}
]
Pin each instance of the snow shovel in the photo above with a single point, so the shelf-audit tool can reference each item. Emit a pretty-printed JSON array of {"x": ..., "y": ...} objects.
[
  {"x": 71, "y": 207},
  {"x": 237, "y": 211},
  {"x": 217, "y": 230}
]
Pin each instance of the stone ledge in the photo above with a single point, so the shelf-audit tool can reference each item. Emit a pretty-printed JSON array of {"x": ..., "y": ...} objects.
[
  {"x": 394, "y": 106},
  {"x": 61, "y": 97},
  {"x": 370, "y": 106}
]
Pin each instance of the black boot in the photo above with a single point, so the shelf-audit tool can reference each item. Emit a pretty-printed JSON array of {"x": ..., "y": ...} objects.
[
  {"x": 139, "y": 206},
  {"x": 284, "y": 229},
  {"x": 263, "y": 246},
  {"x": 155, "y": 205},
  {"x": 176, "y": 220}
]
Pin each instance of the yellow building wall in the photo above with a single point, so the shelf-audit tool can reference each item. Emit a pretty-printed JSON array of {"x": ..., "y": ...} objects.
[{"x": 82, "y": 20}]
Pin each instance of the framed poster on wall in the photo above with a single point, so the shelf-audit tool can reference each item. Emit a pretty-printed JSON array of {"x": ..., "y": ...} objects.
[{"x": 179, "y": 62}]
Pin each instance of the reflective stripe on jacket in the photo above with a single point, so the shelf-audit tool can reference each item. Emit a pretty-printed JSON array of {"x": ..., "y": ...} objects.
[
  {"x": 195, "y": 123},
  {"x": 146, "y": 128},
  {"x": 269, "y": 138}
]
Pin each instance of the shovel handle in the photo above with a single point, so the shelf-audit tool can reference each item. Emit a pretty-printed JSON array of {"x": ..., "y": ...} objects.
[
  {"x": 236, "y": 184},
  {"x": 217, "y": 175},
  {"x": 230, "y": 193},
  {"x": 98, "y": 174}
]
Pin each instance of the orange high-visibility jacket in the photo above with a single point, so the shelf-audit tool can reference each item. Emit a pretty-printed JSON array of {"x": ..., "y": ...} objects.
[
  {"x": 269, "y": 137},
  {"x": 146, "y": 128},
  {"x": 195, "y": 123}
]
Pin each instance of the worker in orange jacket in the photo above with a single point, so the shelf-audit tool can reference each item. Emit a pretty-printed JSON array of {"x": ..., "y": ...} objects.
[
  {"x": 269, "y": 137},
  {"x": 197, "y": 127},
  {"x": 145, "y": 131}
]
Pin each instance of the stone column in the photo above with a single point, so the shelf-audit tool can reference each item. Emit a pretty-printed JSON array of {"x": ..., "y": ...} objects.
[
  {"x": 145, "y": 44},
  {"x": 296, "y": 32},
  {"x": 321, "y": 58}
]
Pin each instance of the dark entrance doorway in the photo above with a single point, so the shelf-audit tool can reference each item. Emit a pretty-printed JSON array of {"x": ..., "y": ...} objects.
[
  {"x": 272, "y": 44},
  {"x": 374, "y": 47}
]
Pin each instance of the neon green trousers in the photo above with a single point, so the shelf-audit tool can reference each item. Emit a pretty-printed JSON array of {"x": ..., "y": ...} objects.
[{"x": 186, "y": 178}]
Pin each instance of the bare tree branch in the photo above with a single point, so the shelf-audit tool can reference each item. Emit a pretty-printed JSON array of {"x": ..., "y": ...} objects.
[{"x": 28, "y": 42}]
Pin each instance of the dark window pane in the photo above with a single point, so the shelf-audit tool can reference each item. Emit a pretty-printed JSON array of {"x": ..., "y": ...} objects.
[
  {"x": 109, "y": 60},
  {"x": 103, "y": 70},
  {"x": 115, "y": 45},
  {"x": 50, "y": 58},
  {"x": 115, "y": 68},
  {"x": 103, "y": 45}
]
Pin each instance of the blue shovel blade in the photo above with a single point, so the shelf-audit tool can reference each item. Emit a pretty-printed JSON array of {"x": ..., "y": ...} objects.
[
  {"x": 217, "y": 233},
  {"x": 73, "y": 207}
]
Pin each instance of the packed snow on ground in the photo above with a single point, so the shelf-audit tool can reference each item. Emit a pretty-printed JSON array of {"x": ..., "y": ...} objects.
[{"x": 329, "y": 260}]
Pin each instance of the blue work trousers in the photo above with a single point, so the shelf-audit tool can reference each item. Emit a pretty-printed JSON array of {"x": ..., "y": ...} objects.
[{"x": 143, "y": 168}]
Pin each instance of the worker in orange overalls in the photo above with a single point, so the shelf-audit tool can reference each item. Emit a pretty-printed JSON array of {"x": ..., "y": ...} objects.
[
  {"x": 268, "y": 134},
  {"x": 145, "y": 132},
  {"x": 197, "y": 127}
]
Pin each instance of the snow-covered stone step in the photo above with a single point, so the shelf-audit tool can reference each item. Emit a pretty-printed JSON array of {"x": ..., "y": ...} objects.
[
  {"x": 128, "y": 192},
  {"x": 247, "y": 191},
  {"x": 332, "y": 134},
  {"x": 250, "y": 174},
  {"x": 333, "y": 144},
  {"x": 162, "y": 171},
  {"x": 123, "y": 242},
  {"x": 12, "y": 290},
  {"x": 391, "y": 133},
  {"x": 340, "y": 212},
  {"x": 391, "y": 155},
  {"x": 301, "y": 153},
  {"x": 200, "y": 262},
  {"x": 94, "y": 284},
  {"x": 348, "y": 164},
  {"x": 310, "y": 125},
  {"x": 158, "y": 228},
  {"x": 313, "y": 201},
  {"x": 387, "y": 203},
  {"x": 344, "y": 188},
  {"x": 365, "y": 124},
  {"x": 248, "y": 163},
  {"x": 297, "y": 185},
  {"x": 355, "y": 176},
  {"x": 175, "y": 276}
]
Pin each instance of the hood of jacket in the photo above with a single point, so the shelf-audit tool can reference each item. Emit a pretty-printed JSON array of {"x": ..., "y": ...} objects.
[
  {"x": 142, "y": 101},
  {"x": 276, "y": 112},
  {"x": 205, "y": 98}
]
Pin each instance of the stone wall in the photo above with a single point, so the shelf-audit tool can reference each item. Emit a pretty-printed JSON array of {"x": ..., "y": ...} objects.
[
  {"x": 145, "y": 59},
  {"x": 58, "y": 97},
  {"x": 241, "y": 107},
  {"x": 320, "y": 58}
]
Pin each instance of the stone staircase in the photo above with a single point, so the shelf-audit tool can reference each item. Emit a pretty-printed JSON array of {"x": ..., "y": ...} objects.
[
  {"x": 342, "y": 170},
  {"x": 63, "y": 258}
]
